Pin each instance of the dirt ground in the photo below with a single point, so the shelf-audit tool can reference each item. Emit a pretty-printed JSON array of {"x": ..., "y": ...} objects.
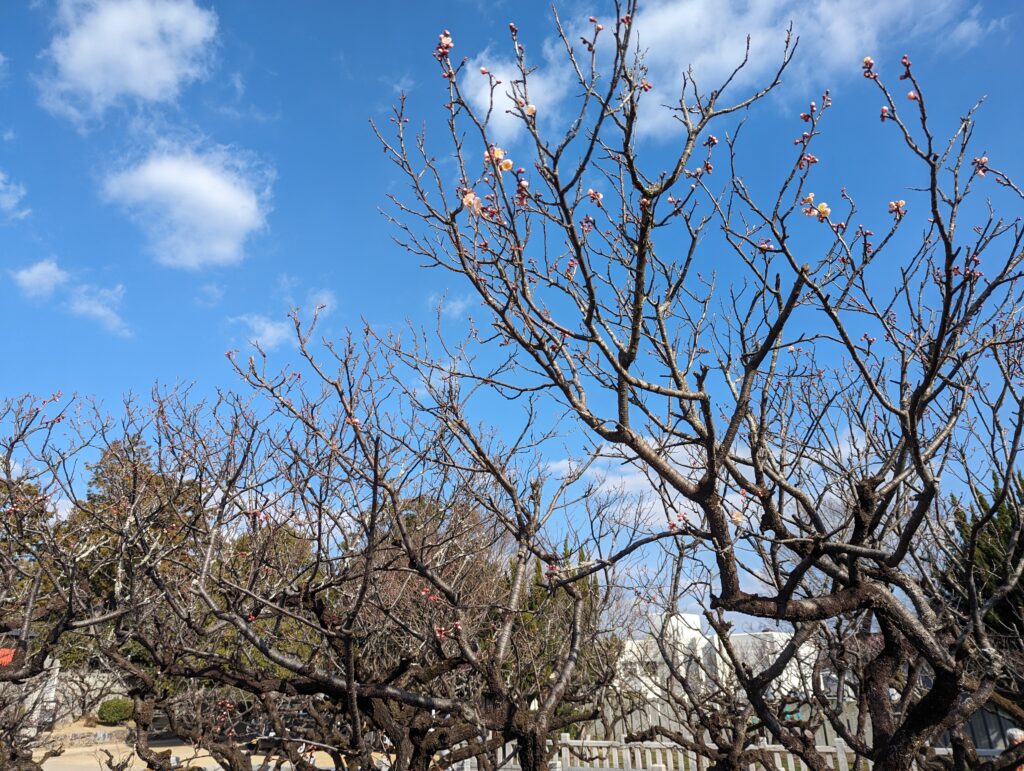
[{"x": 91, "y": 759}]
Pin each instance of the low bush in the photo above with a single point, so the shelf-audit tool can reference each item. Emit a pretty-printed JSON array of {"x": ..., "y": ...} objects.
[{"x": 115, "y": 711}]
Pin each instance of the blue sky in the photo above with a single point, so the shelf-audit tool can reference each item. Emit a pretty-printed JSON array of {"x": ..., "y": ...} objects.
[{"x": 175, "y": 175}]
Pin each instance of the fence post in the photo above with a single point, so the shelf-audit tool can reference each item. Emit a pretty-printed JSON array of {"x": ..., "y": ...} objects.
[
  {"x": 842, "y": 760},
  {"x": 563, "y": 751}
]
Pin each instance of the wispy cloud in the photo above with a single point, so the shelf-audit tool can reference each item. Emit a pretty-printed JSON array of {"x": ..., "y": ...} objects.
[
  {"x": 969, "y": 32},
  {"x": 11, "y": 196},
  {"x": 109, "y": 51},
  {"x": 210, "y": 294},
  {"x": 41, "y": 279},
  {"x": 264, "y": 331},
  {"x": 45, "y": 280},
  {"x": 197, "y": 209},
  {"x": 452, "y": 307},
  {"x": 322, "y": 300},
  {"x": 102, "y": 305}
]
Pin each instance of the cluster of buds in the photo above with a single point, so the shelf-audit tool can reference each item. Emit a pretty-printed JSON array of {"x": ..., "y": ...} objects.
[
  {"x": 863, "y": 232},
  {"x": 980, "y": 165},
  {"x": 444, "y": 45},
  {"x": 645, "y": 85},
  {"x": 353, "y": 421},
  {"x": 898, "y": 209},
  {"x": 868, "y": 339},
  {"x": 55, "y": 420},
  {"x": 551, "y": 571},
  {"x": 522, "y": 192},
  {"x": 225, "y": 708},
  {"x": 884, "y": 114},
  {"x": 587, "y": 223},
  {"x": 821, "y": 210},
  {"x": 969, "y": 273},
  {"x": 595, "y": 196},
  {"x": 570, "y": 268},
  {"x": 427, "y": 595},
  {"x": 765, "y": 245},
  {"x": 711, "y": 140},
  {"x": 972, "y": 272},
  {"x": 905, "y": 61},
  {"x": 868, "y": 65},
  {"x": 806, "y": 161},
  {"x": 627, "y": 19},
  {"x": 529, "y": 109},
  {"x": 597, "y": 25}
]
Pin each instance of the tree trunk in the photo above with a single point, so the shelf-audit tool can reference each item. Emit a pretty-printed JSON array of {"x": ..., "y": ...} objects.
[
  {"x": 143, "y": 717},
  {"x": 532, "y": 748}
]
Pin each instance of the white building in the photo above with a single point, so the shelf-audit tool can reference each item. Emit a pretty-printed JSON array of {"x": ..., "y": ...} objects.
[{"x": 682, "y": 640}]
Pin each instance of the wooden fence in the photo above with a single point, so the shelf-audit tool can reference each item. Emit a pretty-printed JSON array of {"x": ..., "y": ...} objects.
[{"x": 590, "y": 755}]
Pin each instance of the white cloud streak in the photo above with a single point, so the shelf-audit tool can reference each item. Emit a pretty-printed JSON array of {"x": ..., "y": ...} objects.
[
  {"x": 11, "y": 196},
  {"x": 101, "y": 305}
]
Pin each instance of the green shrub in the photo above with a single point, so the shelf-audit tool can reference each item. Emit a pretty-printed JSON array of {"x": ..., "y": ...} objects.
[{"x": 115, "y": 711}]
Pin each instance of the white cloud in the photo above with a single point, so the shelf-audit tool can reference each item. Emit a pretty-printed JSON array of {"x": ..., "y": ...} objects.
[
  {"x": 110, "y": 50},
  {"x": 452, "y": 307},
  {"x": 323, "y": 299},
  {"x": 266, "y": 332},
  {"x": 8, "y": 135},
  {"x": 710, "y": 36},
  {"x": 198, "y": 210},
  {"x": 210, "y": 294},
  {"x": 40, "y": 279},
  {"x": 835, "y": 35},
  {"x": 11, "y": 196},
  {"x": 101, "y": 305},
  {"x": 549, "y": 84},
  {"x": 972, "y": 30},
  {"x": 4, "y": 61}
]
